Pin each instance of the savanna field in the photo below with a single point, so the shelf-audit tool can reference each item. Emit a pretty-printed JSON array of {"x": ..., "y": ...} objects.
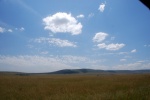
[{"x": 75, "y": 87}]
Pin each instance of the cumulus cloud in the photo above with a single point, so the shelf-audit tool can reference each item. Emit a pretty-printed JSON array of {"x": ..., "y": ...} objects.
[
  {"x": 91, "y": 15},
  {"x": 112, "y": 46},
  {"x": 133, "y": 51},
  {"x": 99, "y": 37},
  {"x": 2, "y": 30},
  {"x": 101, "y": 7},
  {"x": 80, "y": 16},
  {"x": 62, "y": 22},
  {"x": 55, "y": 41}
]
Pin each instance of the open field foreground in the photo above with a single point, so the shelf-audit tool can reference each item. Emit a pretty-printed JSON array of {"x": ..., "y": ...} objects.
[{"x": 75, "y": 87}]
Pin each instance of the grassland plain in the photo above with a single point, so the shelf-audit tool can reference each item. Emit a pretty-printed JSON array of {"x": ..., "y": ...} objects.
[{"x": 75, "y": 87}]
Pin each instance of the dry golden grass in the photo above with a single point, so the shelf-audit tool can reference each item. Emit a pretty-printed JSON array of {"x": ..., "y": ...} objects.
[{"x": 75, "y": 87}]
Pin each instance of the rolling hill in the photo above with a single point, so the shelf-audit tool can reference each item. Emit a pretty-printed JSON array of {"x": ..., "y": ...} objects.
[{"x": 81, "y": 71}]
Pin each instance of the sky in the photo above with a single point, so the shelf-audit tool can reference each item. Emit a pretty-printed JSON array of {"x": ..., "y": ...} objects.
[{"x": 50, "y": 35}]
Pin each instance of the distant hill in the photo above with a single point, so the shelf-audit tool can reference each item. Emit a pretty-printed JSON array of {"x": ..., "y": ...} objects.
[
  {"x": 92, "y": 71},
  {"x": 76, "y": 71},
  {"x": 81, "y": 71}
]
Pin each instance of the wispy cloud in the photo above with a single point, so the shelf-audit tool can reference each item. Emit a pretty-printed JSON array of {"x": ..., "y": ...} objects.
[
  {"x": 133, "y": 51},
  {"x": 10, "y": 30},
  {"x": 63, "y": 23},
  {"x": 22, "y": 29},
  {"x": 123, "y": 60},
  {"x": 91, "y": 15},
  {"x": 26, "y": 63},
  {"x": 31, "y": 63},
  {"x": 122, "y": 53},
  {"x": 113, "y": 38},
  {"x": 56, "y": 42},
  {"x": 2, "y": 30},
  {"x": 133, "y": 66},
  {"x": 27, "y": 7},
  {"x": 44, "y": 52},
  {"x": 112, "y": 46}
]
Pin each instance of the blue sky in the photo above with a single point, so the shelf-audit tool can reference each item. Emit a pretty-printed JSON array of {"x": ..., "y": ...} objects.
[{"x": 49, "y": 35}]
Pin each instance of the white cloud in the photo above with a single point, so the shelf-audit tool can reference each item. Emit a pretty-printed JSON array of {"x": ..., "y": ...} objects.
[
  {"x": 2, "y": 30},
  {"x": 123, "y": 60},
  {"x": 56, "y": 42},
  {"x": 10, "y": 30},
  {"x": 99, "y": 37},
  {"x": 133, "y": 51},
  {"x": 80, "y": 16},
  {"x": 101, "y": 7},
  {"x": 62, "y": 22},
  {"x": 91, "y": 15},
  {"x": 115, "y": 46},
  {"x": 112, "y": 46}
]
